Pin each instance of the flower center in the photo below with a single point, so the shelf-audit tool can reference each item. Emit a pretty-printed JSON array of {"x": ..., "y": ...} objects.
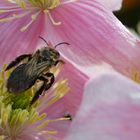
[
  {"x": 45, "y": 4},
  {"x": 41, "y": 4},
  {"x": 30, "y": 8},
  {"x": 18, "y": 119}
]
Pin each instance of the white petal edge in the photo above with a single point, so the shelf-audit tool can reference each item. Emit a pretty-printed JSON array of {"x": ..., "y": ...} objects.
[{"x": 114, "y": 5}]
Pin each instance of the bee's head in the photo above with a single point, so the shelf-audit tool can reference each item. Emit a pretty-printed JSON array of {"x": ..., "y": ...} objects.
[{"x": 48, "y": 53}]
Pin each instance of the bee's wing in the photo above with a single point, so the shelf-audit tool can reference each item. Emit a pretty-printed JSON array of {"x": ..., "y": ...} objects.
[{"x": 17, "y": 61}]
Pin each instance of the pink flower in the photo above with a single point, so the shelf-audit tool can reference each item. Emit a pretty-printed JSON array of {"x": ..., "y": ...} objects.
[
  {"x": 96, "y": 36},
  {"x": 110, "y": 110}
]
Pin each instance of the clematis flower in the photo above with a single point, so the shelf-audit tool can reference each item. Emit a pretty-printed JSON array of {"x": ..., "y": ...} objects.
[
  {"x": 45, "y": 119},
  {"x": 110, "y": 110},
  {"x": 95, "y": 36}
]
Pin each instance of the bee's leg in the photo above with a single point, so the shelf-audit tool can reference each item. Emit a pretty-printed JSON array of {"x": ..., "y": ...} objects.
[
  {"x": 39, "y": 92},
  {"x": 48, "y": 79},
  {"x": 59, "y": 61},
  {"x": 18, "y": 60}
]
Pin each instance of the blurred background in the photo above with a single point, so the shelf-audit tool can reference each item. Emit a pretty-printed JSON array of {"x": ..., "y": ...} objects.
[{"x": 129, "y": 14}]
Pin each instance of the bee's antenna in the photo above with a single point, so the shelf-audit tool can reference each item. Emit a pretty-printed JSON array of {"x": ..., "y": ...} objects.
[
  {"x": 61, "y": 43},
  {"x": 44, "y": 40}
]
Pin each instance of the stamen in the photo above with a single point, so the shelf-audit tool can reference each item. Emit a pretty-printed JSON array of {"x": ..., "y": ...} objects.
[
  {"x": 56, "y": 70},
  {"x": 46, "y": 122},
  {"x": 59, "y": 90},
  {"x": 5, "y": 10},
  {"x": 51, "y": 18},
  {"x": 68, "y": 1},
  {"x": 11, "y": 1},
  {"x": 135, "y": 75},
  {"x": 48, "y": 132},
  {"x": 16, "y": 116},
  {"x": 33, "y": 18},
  {"x": 53, "y": 4},
  {"x": 21, "y": 3},
  {"x": 14, "y": 16},
  {"x": 31, "y": 6},
  {"x": 136, "y": 78}
]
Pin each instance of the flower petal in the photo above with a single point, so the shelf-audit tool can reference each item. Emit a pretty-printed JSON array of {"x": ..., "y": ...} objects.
[
  {"x": 69, "y": 103},
  {"x": 95, "y": 35},
  {"x": 13, "y": 42},
  {"x": 112, "y": 4},
  {"x": 76, "y": 82},
  {"x": 110, "y": 110}
]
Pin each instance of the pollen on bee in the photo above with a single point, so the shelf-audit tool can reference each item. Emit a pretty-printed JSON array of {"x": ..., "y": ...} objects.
[{"x": 56, "y": 70}]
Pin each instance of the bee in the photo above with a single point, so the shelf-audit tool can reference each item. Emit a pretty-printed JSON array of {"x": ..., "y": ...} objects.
[{"x": 36, "y": 67}]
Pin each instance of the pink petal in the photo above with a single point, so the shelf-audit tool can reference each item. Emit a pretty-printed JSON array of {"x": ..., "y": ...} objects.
[
  {"x": 95, "y": 35},
  {"x": 69, "y": 103},
  {"x": 25, "y": 42},
  {"x": 76, "y": 82},
  {"x": 13, "y": 42},
  {"x": 112, "y": 4},
  {"x": 5, "y": 3},
  {"x": 110, "y": 110}
]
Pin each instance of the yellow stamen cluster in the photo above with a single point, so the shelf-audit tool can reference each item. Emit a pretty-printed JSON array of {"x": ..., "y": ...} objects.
[
  {"x": 45, "y": 4},
  {"x": 42, "y": 4},
  {"x": 17, "y": 116}
]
